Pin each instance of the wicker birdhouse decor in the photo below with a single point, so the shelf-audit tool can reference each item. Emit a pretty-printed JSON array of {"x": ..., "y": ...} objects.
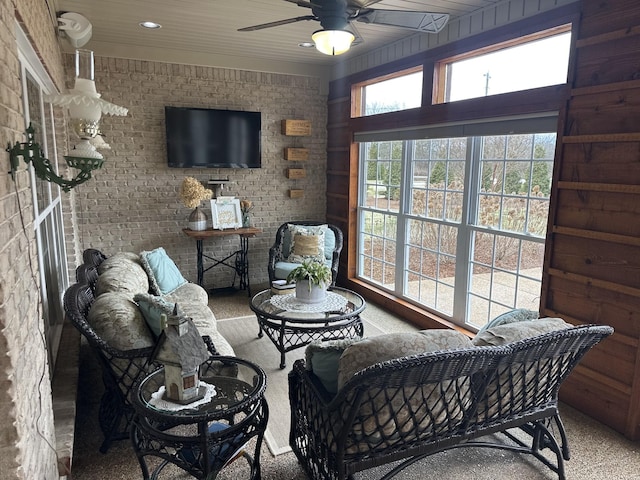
[{"x": 181, "y": 350}]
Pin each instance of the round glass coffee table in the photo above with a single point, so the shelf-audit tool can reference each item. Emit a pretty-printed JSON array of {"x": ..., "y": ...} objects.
[
  {"x": 203, "y": 437},
  {"x": 290, "y": 324}
]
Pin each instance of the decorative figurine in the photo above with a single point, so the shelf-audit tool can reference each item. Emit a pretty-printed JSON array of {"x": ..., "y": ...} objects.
[{"x": 181, "y": 350}]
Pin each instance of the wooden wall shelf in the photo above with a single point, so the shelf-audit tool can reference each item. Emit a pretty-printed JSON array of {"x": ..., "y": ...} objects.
[
  {"x": 296, "y": 173},
  {"x": 296, "y": 128},
  {"x": 296, "y": 193},
  {"x": 296, "y": 154}
]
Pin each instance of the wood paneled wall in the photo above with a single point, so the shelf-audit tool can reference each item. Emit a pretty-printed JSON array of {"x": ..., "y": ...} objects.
[
  {"x": 592, "y": 263},
  {"x": 592, "y": 266}
]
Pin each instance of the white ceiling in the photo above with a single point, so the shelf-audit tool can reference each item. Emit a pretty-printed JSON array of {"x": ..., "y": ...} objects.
[{"x": 204, "y": 32}]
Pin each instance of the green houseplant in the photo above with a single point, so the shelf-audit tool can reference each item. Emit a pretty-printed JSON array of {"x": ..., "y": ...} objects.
[{"x": 312, "y": 279}]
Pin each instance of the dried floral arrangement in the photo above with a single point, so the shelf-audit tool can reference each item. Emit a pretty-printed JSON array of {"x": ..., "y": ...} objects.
[
  {"x": 246, "y": 206},
  {"x": 192, "y": 192}
]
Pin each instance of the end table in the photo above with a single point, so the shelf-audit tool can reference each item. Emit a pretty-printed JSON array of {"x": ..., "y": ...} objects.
[{"x": 202, "y": 439}]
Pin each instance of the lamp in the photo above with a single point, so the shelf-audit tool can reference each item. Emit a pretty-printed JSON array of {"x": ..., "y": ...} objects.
[
  {"x": 85, "y": 106},
  {"x": 333, "y": 42},
  {"x": 85, "y": 110}
]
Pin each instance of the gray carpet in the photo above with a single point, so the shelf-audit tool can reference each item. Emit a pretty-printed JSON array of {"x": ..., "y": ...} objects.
[{"x": 242, "y": 335}]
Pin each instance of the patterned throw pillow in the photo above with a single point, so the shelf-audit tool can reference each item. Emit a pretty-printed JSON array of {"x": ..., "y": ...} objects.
[
  {"x": 307, "y": 243},
  {"x": 373, "y": 350},
  {"x": 512, "y": 332}
]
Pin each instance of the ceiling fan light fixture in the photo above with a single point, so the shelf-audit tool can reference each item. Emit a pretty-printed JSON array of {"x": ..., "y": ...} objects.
[{"x": 333, "y": 42}]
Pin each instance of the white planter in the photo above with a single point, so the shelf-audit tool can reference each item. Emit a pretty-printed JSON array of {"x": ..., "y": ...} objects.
[{"x": 315, "y": 294}]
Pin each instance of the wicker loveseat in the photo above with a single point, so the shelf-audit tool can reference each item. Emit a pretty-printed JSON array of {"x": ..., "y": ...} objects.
[
  {"x": 110, "y": 305},
  {"x": 414, "y": 406}
]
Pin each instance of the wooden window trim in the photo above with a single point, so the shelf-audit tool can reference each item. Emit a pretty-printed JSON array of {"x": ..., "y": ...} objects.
[{"x": 441, "y": 78}]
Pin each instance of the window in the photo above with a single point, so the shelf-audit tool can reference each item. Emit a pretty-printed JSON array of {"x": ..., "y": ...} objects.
[
  {"x": 49, "y": 230},
  {"x": 457, "y": 224},
  {"x": 533, "y": 61},
  {"x": 400, "y": 91}
]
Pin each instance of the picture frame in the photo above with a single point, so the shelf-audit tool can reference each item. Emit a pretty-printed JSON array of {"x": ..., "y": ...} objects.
[{"x": 225, "y": 213}]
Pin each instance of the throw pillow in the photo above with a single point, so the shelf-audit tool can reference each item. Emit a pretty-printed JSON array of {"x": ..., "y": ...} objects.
[
  {"x": 512, "y": 316},
  {"x": 373, "y": 350},
  {"x": 513, "y": 332},
  {"x": 152, "y": 308},
  {"x": 322, "y": 358},
  {"x": 164, "y": 276},
  {"x": 307, "y": 243}
]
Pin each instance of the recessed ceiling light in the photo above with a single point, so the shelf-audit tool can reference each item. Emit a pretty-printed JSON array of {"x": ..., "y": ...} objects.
[
  {"x": 306, "y": 44},
  {"x": 151, "y": 25}
]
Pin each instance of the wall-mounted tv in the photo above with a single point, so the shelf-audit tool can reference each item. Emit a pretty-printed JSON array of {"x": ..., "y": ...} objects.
[{"x": 210, "y": 138}]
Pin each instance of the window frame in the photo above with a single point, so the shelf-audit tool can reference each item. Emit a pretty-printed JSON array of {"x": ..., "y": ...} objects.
[
  {"x": 358, "y": 95},
  {"x": 467, "y": 228},
  {"x": 440, "y": 68},
  {"x": 48, "y": 223}
]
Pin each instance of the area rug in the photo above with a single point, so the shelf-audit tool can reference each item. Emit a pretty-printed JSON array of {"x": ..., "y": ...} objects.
[{"x": 242, "y": 334}]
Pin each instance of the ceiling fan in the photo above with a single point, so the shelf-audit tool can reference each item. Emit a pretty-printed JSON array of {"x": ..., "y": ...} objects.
[{"x": 336, "y": 17}]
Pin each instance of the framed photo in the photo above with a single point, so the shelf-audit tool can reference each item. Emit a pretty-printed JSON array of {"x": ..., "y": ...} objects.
[{"x": 225, "y": 213}]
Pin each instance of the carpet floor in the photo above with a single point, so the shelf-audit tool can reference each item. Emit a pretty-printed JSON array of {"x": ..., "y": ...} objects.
[
  {"x": 242, "y": 335},
  {"x": 597, "y": 452}
]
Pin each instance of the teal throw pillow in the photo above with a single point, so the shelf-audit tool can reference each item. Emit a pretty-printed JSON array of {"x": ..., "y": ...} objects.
[
  {"x": 152, "y": 308},
  {"x": 164, "y": 276},
  {"x": 323, "y": 358}
]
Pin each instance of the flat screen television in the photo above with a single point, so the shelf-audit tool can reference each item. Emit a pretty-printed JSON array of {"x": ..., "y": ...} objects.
[{"x": 210, "y": 138}]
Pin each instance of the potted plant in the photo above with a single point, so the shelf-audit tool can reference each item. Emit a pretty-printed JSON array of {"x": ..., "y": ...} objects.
[{"x": 312, "y": 279}]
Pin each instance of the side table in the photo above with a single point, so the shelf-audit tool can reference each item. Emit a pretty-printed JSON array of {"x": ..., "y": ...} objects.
[
  {"x": 241, "y": 264},
  {"x": 202, "y": 439}
]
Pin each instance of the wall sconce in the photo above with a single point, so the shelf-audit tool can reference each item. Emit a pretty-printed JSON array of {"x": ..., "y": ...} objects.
[
  {"x": 31, "y": 152},
  {"x": 85, "y": 110}
]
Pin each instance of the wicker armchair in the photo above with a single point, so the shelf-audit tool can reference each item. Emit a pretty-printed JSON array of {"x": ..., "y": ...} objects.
[
  {"x": 412, "y": 407},
  {"x": 277, "y": 252}
]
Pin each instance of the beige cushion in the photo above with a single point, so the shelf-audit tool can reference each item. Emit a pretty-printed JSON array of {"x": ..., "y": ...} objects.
[
  {"x": 118, "y": 259},
  {"x": 508, "y": 390},
  {"x": 422, "y": 408},
  {"x": 395, "y": 345},
  {"x": 118, "y": 320},
  {"x": 188, "y": 293},
  {"x": 513, "y": 332},
  {"x": 126, "y": 277},
  {"x": 307, "y": 243}
]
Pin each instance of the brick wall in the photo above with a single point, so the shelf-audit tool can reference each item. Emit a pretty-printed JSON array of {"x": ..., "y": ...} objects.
[
  {"x": 132, "y": 203},
  {"x": 26, "y": 429}
]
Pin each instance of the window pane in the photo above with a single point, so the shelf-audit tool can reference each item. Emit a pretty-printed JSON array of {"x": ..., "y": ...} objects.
[
  {"x": 398, "y": 93},
  {"x": 530, "y": 65},
  {"x": 489, "y": 231}
]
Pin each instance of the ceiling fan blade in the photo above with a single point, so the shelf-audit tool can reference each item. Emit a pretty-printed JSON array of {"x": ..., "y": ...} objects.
[
  {"x": 420, "y": 21},
  {"x": 277, "y": 24},
  {"x": 352, "y": 28}
]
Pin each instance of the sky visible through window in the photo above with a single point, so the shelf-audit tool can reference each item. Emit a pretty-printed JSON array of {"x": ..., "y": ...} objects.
[{"x": 534, "y": 64}]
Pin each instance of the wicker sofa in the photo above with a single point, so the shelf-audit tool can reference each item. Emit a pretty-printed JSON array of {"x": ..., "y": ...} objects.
[
  {"x": 114, "y": 305},
  {"x": 454, "y": 394}
]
